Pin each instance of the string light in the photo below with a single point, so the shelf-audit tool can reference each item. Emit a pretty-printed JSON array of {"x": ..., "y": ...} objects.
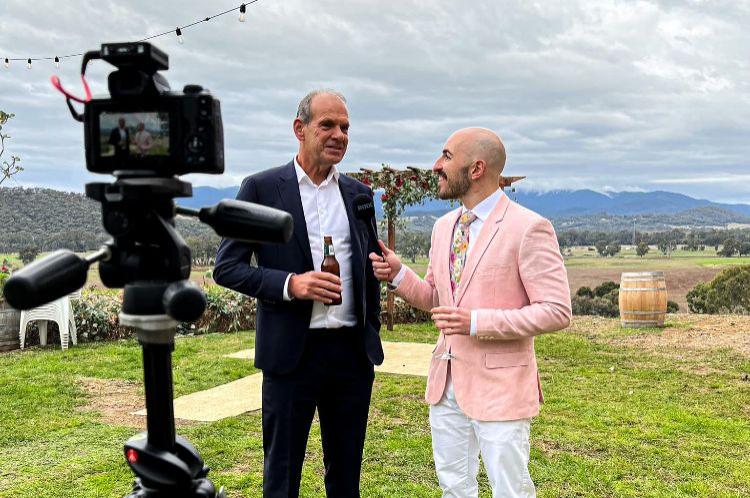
[{"x": 177, "y": 31}]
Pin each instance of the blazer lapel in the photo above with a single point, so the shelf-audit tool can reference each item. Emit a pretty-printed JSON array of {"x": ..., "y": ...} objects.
[
  {"x": 347, "y": 195},
  {"x": 292, "y": 203},
  {"x": 358, "y": 242},
  {"x": 489, "y": 229}
]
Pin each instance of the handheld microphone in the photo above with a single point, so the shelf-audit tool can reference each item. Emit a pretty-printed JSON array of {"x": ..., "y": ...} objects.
[{"x": 364, "y": 209}]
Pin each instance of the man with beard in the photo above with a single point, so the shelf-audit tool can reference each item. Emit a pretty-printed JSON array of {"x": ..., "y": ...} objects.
[
  {"x": 313, "y": 355},
  {"x": 495, "y": 280}
]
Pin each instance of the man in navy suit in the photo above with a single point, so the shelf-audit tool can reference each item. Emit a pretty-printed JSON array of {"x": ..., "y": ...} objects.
[{"x": 312, "y": 355}]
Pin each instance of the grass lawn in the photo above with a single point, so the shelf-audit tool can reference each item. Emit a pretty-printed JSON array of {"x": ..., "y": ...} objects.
[{"x": 627, "y": 413}]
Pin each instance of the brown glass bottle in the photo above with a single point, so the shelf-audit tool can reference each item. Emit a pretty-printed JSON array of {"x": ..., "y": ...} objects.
[{"x": 330, "y": 264}]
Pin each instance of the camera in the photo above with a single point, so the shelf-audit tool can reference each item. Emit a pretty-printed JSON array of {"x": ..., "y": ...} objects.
[
  {"x": 146, "y": 136},
  {"x": 144, "y": 128}
]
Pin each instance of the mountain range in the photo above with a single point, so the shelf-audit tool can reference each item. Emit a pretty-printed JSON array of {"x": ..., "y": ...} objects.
[{"x": 562, "y": 204}]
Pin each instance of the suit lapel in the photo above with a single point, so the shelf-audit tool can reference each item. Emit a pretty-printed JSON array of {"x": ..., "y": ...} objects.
[
  {"x": 292, "y": 203},
  {"x": 489, "y": 229},
  {"x": 346, "y": 186}
]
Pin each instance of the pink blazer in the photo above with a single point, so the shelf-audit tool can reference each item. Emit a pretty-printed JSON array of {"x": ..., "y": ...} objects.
[{"x": 516, "y": 280}]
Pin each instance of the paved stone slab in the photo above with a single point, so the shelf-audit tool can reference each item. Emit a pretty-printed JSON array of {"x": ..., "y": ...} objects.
[
  {"x": 407, "y": 358},
  {"x": 228, "y": 400},
  {"x": 244, "y": 395}
]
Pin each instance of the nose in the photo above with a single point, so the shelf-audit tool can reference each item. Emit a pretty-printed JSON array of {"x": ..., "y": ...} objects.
[
  {"x": 338, "y": 134},
  {"x": 437, "y": 167}
]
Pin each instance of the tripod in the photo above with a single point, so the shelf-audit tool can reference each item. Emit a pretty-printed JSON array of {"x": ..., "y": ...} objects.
[{"x": 149, "y": 259}]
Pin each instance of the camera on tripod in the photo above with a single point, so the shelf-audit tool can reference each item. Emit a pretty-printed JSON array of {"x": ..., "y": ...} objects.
[
  {"x": 146, "y": 127},
  {"x": 146, "y": 135}
]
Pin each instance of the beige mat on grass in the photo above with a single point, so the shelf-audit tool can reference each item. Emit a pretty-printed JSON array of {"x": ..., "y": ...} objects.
[{"x": 244, "y": 395}]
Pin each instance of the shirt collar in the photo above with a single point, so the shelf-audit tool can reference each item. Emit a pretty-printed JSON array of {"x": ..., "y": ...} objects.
[
  {"x": 485, "y": 207},
  {"x": 333, "y": 174}
]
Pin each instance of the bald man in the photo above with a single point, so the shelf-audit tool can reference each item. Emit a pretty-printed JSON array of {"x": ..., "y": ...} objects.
[{"x": 495, "y": 280}]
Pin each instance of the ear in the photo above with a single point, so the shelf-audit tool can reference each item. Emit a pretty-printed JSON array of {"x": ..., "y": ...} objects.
[
  {"x": 478, "y": 169},
  {"x": 299, "y": 129}
]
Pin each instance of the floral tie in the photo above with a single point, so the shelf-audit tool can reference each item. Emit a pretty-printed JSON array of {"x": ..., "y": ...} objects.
[{"x": 460, "y": 245}]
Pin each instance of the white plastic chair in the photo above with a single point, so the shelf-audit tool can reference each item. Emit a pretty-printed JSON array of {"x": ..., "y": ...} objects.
[{"x": 59, "y": 311}]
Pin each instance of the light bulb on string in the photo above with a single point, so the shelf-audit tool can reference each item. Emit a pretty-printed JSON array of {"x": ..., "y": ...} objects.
[
  {"x": 28, "y": 63},
  {"x": 57, "y": 62},
  {"x": 243, "y": 10},
  {"x": 180, "y": 39},
  {"x": 7, "y": 62}
]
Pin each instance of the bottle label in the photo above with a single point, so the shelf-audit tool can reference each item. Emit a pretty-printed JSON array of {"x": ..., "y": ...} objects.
[{"x": 327, "y": 250}]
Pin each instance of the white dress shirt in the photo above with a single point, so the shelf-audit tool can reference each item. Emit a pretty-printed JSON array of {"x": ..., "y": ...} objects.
[
  {"x": 482, "y": 212},
  {"x": 325, "y": 214}
]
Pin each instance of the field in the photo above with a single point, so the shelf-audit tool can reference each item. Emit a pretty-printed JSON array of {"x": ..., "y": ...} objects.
[
  {"x": 649, "y": 413},
  {"x": 682, "y": 269}
]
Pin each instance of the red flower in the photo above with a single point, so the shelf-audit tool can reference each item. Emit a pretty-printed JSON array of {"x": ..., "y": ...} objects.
[
  {"x": 384, "y": 197},
  {"x": 413, "y": 178},
  {"x": 399, "y": 181},
  {"x": 366, "y": 181},
  {"x": 425, "y": 185}
]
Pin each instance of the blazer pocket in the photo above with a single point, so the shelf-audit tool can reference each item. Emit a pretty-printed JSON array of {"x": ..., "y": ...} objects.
[
  {"x": 504, "y": 360},
  {"x": 492, "y": 272}
]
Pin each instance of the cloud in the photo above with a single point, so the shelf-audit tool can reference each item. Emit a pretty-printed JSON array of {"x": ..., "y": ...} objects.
[{"x": 585, "y": 94}]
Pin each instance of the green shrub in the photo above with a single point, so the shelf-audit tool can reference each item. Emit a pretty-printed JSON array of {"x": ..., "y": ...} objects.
[
  {"x": 605, "y": 288},
  {"x": 602, "y": 301},
  {"x": 672, "y": 307},
  {"x": 585, "y": 292},
  {"x": 729, "y": 292}
]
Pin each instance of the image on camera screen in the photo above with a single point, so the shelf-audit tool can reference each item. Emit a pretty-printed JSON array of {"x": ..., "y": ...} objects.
[{"x": 134, "y": 134}]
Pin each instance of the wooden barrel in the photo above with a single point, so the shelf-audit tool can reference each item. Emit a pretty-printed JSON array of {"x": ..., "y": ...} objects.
[
  {"x": 643, "y": 299},
  {"x": 10, "y": 321}
]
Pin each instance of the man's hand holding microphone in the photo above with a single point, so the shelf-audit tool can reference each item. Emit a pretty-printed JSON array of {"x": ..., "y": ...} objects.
[{"x": 448, "y": 319}]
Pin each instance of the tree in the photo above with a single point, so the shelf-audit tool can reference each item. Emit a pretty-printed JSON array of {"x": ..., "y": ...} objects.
[
  {"x": 601, "y": 247},
  {"x": 28, "y": 254},
  {"x": 613, "y": 249},
  {"x": 413, "y": 244},
  {"x": 729, "y": 248},
  {"x": 744, "y": 248},
  {"x": 691, "y": 242},
  {"x": 666, "y": 244},
  {"x": 8, "y": 168},
  {"x": 642, "y": 249}
]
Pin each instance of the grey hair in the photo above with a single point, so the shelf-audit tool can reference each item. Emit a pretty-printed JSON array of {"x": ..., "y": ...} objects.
[{"x": 304, "y": 113}]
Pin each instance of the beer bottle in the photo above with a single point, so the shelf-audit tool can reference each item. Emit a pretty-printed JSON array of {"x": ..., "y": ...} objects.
[{"x": 330, "y": 264}]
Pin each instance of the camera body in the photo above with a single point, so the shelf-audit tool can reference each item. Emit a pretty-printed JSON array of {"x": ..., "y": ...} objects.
[{"x": 146, "y": 129}]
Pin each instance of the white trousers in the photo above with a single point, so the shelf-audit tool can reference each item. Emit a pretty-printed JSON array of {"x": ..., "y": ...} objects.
[{"x": 457, "y": 441}]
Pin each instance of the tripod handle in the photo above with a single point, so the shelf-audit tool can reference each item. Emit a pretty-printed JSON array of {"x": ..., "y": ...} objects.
[{"x": 46, "y": 279}]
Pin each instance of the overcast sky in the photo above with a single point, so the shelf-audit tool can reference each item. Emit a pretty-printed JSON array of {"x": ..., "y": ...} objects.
[{"x": 600, "y": 94}]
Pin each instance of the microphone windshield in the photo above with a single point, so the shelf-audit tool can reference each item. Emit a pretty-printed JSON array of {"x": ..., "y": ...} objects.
[{"x": 364, "y": 207}]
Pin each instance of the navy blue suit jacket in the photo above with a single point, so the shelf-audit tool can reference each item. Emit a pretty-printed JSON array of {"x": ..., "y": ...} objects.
[{"x": 282, "y": 326}]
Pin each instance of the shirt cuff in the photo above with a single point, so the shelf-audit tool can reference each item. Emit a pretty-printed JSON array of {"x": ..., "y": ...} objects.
[
  {"x": 473, "y": 327},
  {"x": 398, "y": 278},
  {"x": 287, "y": 297}
]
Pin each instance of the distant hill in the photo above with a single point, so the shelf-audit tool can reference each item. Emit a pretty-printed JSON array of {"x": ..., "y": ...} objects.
[
  {"x": 553, "y": 204},
  {"x": 51, "y": 219}
]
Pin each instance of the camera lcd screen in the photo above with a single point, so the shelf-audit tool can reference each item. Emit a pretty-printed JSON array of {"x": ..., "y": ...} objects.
[{"x": 134, "y": 135}]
